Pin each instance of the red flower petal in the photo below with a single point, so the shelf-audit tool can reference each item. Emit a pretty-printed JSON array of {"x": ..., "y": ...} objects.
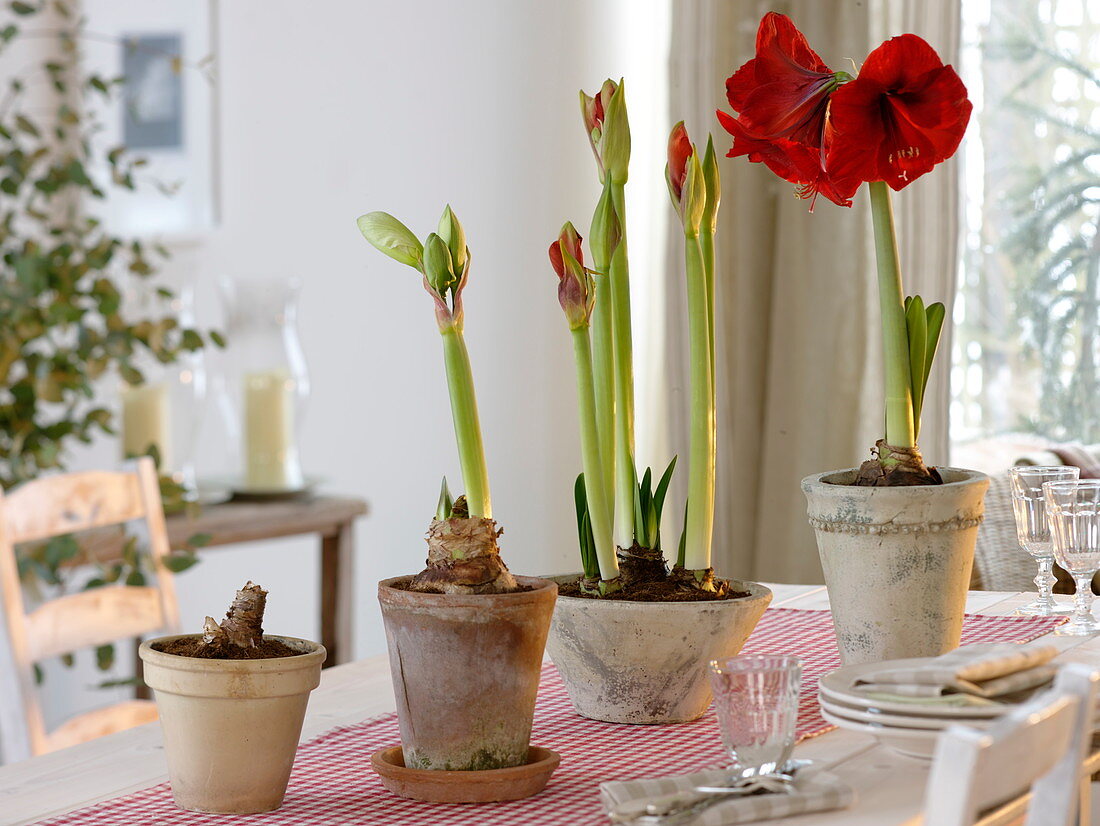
[
  {"x": 783, "y": 91},
  {"x": 791, "y": 161},
  {"x": 782, "y": 49},
  {"x": 556, "y": 259}
]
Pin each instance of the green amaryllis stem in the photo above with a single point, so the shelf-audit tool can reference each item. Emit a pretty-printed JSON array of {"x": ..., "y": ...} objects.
[
  {"x": 700, "y": 506},
  {"x": 598, "y": 511},
  {"x": 603, "y": 376},
  {"x": 900, "y": 428},
  {"x": 624, "y": 382},
  {"x": 471, "y": 451},
  {"x": 706, "y": 247}
]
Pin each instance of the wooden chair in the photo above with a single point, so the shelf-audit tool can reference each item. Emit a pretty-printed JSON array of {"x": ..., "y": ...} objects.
[
  {"x": 1040, "y": 746},
  {"x": 53, "y": 506}
]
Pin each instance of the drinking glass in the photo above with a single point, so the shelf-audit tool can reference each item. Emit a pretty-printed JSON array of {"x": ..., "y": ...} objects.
[
  {"x": 1033, "y": 530},
  {"x": 1073, "y": 509},
  {"x": 757, "y": 703}
]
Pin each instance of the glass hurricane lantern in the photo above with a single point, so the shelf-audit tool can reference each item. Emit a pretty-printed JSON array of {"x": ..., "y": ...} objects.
[{"x": 265, "y": 382}]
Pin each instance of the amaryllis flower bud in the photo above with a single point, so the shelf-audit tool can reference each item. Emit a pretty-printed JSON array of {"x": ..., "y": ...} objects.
[
  {"x": 454, "y": 236},
  {"x": 679, "y": 150},
  {"x": 607, "y": 231},
  {"x": 713, "y": 183},
  {"x": 608, "y": 130},
  {"x": 442, "y": 282},
  {"x": 438, "y": 268},
  {"x": 686, "y": 184},
  {"x": 576, "y": 291}
]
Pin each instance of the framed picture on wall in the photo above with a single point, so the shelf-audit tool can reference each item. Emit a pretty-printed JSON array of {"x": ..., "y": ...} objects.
[{"x": 165, "y": 113}]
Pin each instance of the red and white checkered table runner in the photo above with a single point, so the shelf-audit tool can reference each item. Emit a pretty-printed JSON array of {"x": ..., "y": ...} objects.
[{"x": 333, "y": 783}]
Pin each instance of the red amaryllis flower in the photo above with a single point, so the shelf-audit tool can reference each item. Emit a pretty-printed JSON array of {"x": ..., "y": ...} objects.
[
  {"x": 679, "y": 150},
  {"x": 782, "y": 98},
  {"x": 783, "y": 92},
  {"x": 905, "y": 113}
]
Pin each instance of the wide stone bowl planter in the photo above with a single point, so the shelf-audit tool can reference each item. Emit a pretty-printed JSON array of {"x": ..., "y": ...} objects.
[
  {"x": 465, "y": 672},
  {"x": 231, "y": 726},
  {"x": 646, "y": 662},
  {"x": 897, "y": 561}
]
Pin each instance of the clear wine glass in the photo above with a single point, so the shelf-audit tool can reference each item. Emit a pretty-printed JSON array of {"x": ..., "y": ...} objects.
[
  {"x": 757, "y": 703},
  {"x": 1073, "y": 509},
  {"x": 1033, "y": 529}
]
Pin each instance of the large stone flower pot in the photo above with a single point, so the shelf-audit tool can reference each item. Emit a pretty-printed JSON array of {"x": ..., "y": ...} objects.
[
  {"x": 231, "y": 727},
  {"x": 646, "y": 662},
  {"x": 897, "y": 560},
  {"x": 465, "y": 672}
]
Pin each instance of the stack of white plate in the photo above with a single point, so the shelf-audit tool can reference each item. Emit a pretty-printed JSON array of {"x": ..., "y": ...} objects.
[{"x": 907, "y": 727}]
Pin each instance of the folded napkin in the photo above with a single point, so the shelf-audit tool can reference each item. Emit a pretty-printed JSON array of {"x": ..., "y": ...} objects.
[
  {"x": 989, "y": 670},
  {"x": 815, "y": 791}
]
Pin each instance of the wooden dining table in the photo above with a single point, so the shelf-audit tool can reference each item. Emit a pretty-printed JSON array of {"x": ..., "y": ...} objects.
[{"x": 889, "y": 786}]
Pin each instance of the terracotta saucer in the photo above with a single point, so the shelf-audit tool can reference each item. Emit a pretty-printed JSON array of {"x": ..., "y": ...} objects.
[{"x": 487, "y": 786}]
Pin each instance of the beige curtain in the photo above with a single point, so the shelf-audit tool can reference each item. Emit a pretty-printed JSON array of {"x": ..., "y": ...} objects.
[{"x": 798, "y": 336}]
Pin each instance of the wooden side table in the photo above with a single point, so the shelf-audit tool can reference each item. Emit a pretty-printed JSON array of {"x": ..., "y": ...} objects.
[{"x": 332, "y": 517}]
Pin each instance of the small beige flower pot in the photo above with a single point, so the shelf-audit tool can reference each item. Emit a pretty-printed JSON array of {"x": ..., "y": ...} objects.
[
  {"x": 897, "y": 561},
  {"x": 231, "y": 726},
  {"x": 646, "y": 662}
]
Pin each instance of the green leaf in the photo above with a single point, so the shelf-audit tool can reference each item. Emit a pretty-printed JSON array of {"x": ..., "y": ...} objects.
[
  {"x": 191, "y": 340},
  {"x": 446, "y": 503},
  {"x": 217, "y": 338},
  {"x": 68, "y": 660},
  {"x": 681, "y": 553},
  {"x": 659, "y": 501},
  {"x": 135, "y": 578},
  {"x": 639, "y": 517},
  {"x": 585, "y": 539},
  {"x": 916, "y": 325},
  {"x": 126, "y": 682},
  {"x": 199, "y": 540},
  {"x": 662, "y": 487},
  {"x": 390, "y": 237},
  {"x": 24, "y": 125},
  {"x": 22, "y": 9},
  {"x": 936, "y": 314},
  {"x": 177, "y": 562},
  {"x": 60, "y": 549},
  {"x": 105, "y": 656}
]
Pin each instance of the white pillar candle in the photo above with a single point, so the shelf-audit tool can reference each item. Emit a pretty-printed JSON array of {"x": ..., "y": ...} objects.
[
  {"x": 270, "y": 457},
  {"x": 145, "y": 422}
]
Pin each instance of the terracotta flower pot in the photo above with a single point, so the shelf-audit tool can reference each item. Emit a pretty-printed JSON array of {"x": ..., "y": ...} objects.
[
  {"x": 231, "y": 726},
  {"x": 465, "y": 672},
  {"x": 897, "y": 560},
  {"x": 646, "y": 662}
]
